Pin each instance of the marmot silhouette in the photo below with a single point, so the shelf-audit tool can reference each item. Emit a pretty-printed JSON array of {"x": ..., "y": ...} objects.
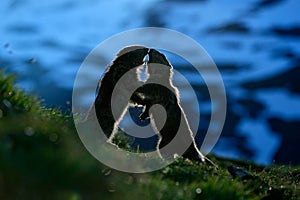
[
  {"x": 147, "y": 95},
  {"x": 159, "y": 89},
  {"x": 127, "y": 59}
]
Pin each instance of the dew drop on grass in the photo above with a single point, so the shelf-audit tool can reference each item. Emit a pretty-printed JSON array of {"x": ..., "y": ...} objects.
[
  {"x": 106, "y": 172},
  {"x": 7, "y": 103},
  {"x": 198, "y": 190},
  {"x": 166, "y": 170},
  {"x": 29, "y": 131}
]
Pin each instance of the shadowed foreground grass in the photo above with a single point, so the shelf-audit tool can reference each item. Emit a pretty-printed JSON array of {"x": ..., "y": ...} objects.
[{"x": 41, "y": 157}]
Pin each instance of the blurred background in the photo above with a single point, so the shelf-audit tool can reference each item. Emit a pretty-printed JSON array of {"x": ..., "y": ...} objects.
[{"x": 255, "y": 44}]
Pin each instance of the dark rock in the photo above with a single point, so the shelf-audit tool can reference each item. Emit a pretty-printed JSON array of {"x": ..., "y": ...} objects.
[{"x": 238, "y": 172}]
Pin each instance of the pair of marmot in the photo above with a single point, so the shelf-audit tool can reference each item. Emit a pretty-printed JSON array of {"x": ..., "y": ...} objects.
[{"x": 157, "y": 89}]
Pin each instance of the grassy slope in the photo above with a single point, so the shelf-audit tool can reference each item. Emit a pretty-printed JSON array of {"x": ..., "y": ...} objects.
[{"x": 41, "y": 157}]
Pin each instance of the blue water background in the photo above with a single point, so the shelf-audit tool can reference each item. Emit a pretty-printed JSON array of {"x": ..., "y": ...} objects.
[{"x": 255, "y": 44}]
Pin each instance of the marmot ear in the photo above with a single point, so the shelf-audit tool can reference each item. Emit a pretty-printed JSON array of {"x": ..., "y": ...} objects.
[
  {"x": 158, "y": 57},
  {"x": 130, "y": 48},
  {"x": 132, "y": 56}
]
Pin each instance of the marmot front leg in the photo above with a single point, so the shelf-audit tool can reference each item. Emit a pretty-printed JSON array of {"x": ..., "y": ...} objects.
[
  {"x": 139, "y": 98},
  {"x": 145, "y": 115}
]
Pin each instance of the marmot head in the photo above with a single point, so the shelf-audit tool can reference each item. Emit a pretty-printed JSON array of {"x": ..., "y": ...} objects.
[{"x": 158, "y": 66}]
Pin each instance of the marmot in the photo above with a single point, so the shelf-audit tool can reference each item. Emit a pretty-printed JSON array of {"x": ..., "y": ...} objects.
[
  {"x": 159, "y": 89},
  {"x": 127, "y": 59}
]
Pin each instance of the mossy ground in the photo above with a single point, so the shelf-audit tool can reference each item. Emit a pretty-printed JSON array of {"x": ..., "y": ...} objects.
[{"x": 41, "y": 157}]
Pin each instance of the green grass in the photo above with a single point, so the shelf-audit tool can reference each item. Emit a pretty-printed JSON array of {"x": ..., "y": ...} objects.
[{"x": 41, "y": 157}]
